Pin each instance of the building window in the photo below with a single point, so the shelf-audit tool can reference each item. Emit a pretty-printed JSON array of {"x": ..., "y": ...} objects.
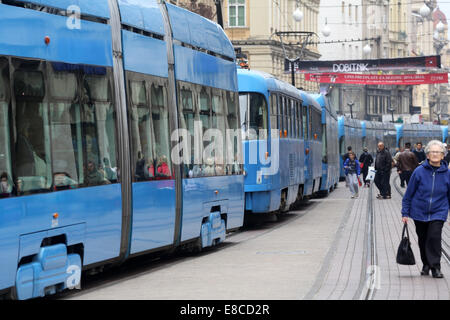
[{"x": 236, "y": 13}]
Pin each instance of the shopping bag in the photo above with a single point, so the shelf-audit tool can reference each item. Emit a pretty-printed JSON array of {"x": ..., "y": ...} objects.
[
  {"x": 359, "y": 182},
  {"x": 405, "y": 254},
  {"x": 371, "y": 174}
]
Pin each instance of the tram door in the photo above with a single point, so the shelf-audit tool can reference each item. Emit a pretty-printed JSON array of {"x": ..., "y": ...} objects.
[{"x": 153, "y": 178}]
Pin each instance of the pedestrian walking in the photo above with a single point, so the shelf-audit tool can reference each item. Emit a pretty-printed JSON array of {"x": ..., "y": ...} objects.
[
  {"x": 344, "y": 158},
  {"x": 447, "y": 155},
  {"x": 383, "y": 166},
  {"x": 398, "y": 151},
  {"x": 419, "y": 153},
  {"x": 365, "y": 161},
  {"x": 352, "y": 172},
  {"x": 406, "y": 163},
  {"x": 426, "y": 201}
]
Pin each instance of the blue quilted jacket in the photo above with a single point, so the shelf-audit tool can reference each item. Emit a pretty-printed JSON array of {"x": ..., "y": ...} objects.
[{"x": 428, "y": 193}]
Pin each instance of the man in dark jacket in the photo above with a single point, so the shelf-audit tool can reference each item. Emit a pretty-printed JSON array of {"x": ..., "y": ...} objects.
[
  {"x": 407, "y": 163},
  {"x": 383, "y": 166},
  {"x": 419, "y": 153}
]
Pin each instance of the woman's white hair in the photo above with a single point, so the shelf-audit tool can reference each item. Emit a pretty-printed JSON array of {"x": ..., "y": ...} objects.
[{"x": 435, "y": 143}]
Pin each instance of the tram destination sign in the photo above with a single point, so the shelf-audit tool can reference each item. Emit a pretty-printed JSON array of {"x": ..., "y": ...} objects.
[{"x": 349, "y": 66}]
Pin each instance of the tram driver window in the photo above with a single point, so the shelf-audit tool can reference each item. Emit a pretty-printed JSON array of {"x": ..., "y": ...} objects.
[{"x": 258, "y": 117}]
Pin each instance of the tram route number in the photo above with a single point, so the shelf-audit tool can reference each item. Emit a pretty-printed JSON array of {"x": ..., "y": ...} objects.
[{"x": 228, "y": 309}]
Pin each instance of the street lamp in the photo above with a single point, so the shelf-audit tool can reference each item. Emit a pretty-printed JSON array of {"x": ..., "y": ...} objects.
[
  {"x": 351, "y": 104},
  {"x": 391, "y": 110},
  {"x": 425, "y": 10},
  {"x": 326, "y": 31},
  {"x": 367, "y": 49},
  {"x": 298, "y": 14}
]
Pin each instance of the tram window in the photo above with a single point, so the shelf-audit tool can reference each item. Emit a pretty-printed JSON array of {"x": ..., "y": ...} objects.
[
  {"x": 204, "y": 102},
  {"x": 258, "y": 117},
  {"x": 98, "y": 130},
  {"x": 32, "y": 148},
  {"x": 150, "y": 129},
  {"x": 187, "y": 119},
  {"x": 299, "y": 119},
  {"x": 234, "y": 142},
  {"x": 65, "y": 115},
  {"x": 289, "y": 117},
  {"x": 273, "y": 112},
  {"x": 218, "y": 138},
  {"x": 7, "y": 186},
  {"x": 160, "y": 126},
  {"x": 324, "y": 143},
  {"x": 316, "y": 125},
  {"x": 285, "y": 117},
  {"x": 293, "y": 120},
  {"x": 305, "y": 122},
  {"x": 281, "y": 116}
]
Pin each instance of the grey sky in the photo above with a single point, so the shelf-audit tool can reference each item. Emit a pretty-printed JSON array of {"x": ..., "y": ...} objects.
[{"x": 444, "y": 5}]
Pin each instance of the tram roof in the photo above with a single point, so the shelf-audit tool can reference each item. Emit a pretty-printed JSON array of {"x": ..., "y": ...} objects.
[{"x": 260, "y": 81}]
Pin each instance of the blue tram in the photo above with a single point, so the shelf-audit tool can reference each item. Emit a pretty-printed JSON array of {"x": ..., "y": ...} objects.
[
  {"x": 273, "y": 147},
  {"x": 313, "y": 131},
  {"x": 330, "y": 145},
  {"x": 424, "y": 133},
  {"x": 98, "y": 104}
]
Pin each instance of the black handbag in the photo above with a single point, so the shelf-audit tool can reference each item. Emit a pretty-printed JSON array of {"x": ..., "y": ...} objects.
[{"x": 405, "y": 254}]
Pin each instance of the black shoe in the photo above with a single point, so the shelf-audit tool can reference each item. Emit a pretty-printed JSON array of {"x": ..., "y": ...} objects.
[
  {"x": 437, "y": 273},
  {"x": 425, "y": 270}
]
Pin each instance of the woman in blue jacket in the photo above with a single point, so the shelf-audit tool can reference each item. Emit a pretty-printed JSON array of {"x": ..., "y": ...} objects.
[
  {"x": 352, "y": 171},
  {"x": 426, "y": 201}
]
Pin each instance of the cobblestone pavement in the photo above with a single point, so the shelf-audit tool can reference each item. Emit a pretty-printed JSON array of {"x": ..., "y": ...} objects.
[{"x": 343, "y": 274}]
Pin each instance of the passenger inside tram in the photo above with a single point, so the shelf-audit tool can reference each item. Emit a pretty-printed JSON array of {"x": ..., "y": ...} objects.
[
  {"x": 94, "y": 176},
  {"x": 6, "y": 190},
  {"x": 163, "y": 167}
]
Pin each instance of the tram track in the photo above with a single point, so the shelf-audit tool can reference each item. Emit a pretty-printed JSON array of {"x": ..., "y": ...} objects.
[
  {"x": 445, "y": 244},
  {"x": 371, "y": 277},
  {"x": 142, "y": 265}
]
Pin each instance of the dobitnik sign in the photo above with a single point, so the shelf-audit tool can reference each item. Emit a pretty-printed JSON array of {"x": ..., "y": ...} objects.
[
  {"x": 375, "y": 79},
  {"x": 346, "y": 66}
]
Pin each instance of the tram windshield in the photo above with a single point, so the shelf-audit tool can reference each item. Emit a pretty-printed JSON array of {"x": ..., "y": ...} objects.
[{"x": 254, "y": 115}]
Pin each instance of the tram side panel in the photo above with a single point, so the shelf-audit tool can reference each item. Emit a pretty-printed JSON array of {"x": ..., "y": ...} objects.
[
  {"x": 212, "y": 192},
  {"x": 62, "y": 98}
]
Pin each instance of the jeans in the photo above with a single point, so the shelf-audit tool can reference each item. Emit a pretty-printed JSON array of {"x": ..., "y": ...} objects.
[{"x": 353, "y": 183}]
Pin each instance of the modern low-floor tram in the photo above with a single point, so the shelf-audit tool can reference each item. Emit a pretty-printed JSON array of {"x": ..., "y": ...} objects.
[{"x": 94, "y": 99}]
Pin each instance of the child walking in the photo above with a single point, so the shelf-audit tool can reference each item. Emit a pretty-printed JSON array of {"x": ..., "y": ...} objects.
[{"x": 352, "y": 171}]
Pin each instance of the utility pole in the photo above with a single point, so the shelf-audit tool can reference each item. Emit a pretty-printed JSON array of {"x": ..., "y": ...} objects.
[{"x": 219, "y": 12}]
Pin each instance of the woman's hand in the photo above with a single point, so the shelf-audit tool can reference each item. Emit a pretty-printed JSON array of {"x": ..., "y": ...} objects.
[{"x": 405, "y": 219}]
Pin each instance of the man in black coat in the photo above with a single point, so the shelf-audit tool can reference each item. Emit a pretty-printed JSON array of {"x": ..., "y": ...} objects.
[
  {"x": 419, "y": 153},
  {"x": 383, "y": 166}
]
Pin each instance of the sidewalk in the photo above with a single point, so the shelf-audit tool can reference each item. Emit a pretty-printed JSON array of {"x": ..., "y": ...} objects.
[{"x": 344, "y": 271}]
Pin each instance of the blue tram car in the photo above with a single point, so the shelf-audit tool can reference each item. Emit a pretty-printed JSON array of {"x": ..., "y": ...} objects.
[
  {"x": 273, "y": 147},
  {"x": 330, "y": 145},
  {"x": 423, "y": 133},
  {"x": 96, "y": 101},
  {"x": 313, "y": 130}
]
